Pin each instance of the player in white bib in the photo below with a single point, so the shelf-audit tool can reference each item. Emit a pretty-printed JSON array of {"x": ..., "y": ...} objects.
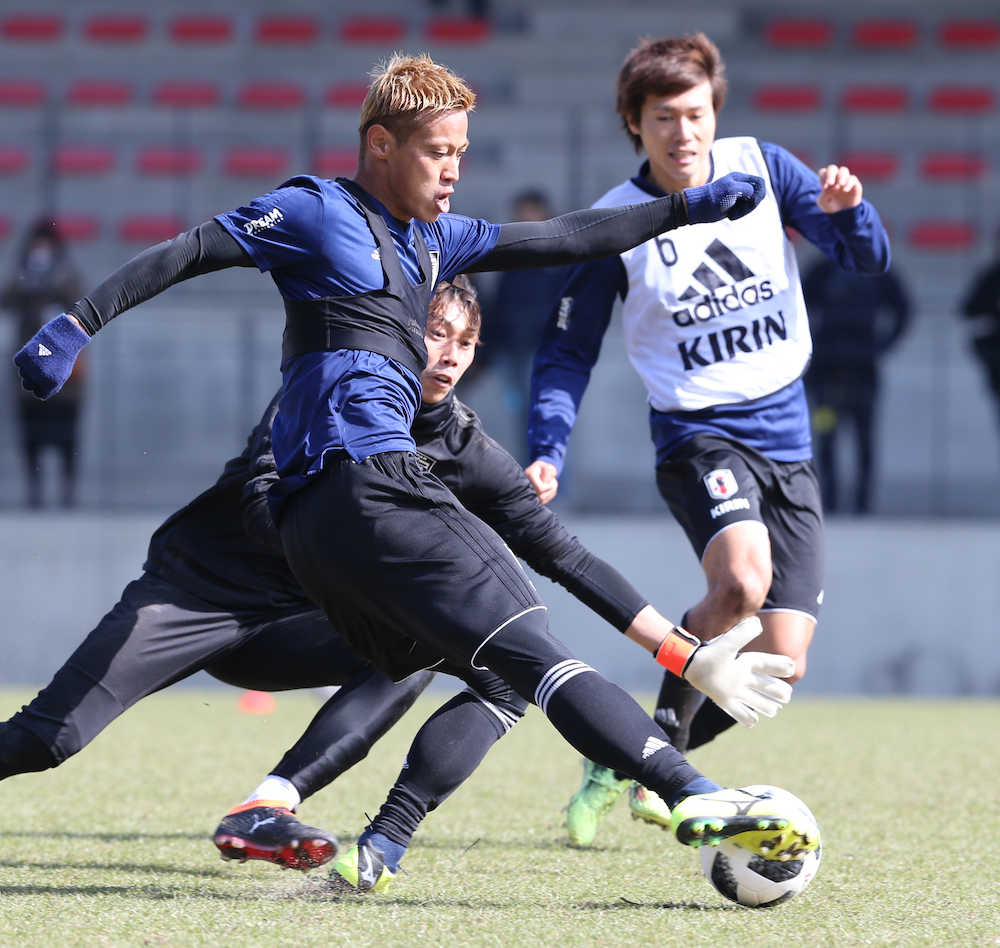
[{"x": 716, "y": 327}]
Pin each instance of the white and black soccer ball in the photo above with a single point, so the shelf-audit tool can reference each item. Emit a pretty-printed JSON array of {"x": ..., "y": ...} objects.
[{"x": 748, "y": 879}]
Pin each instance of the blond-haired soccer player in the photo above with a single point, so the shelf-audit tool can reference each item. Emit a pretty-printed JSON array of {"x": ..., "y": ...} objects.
[
  {"x": 411, "y": 577},
  {"x": 716, "y": 327}
]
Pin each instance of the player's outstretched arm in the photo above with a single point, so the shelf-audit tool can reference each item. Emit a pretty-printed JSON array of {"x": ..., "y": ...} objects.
[
  {"x": 47, "y": 359},
  {"x": 745, "y": 685},
  {"x": 606, "y": 231}
]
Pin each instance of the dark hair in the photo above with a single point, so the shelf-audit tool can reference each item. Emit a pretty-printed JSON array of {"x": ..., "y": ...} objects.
[
  {"x": 667, "y": 67},
  {"x": 458, "y": 290}
]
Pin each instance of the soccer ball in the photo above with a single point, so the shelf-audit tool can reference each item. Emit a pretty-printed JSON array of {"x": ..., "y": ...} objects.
[{"x": 744, "y": 877}]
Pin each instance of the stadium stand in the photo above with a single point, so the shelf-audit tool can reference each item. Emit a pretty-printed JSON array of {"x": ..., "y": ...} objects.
[
  {"x": 883, "y": 35},
  {"x": 287, "y": 30},
  {"x": 100, "y": 92},
  {"x": 163, "y": 115},
  {"x": 32, "y": 27},
  {"x": 875, "y": 98},
  {"x": 201, "y": 30},
  {"x": 798, "y": 34},
  {"x": 186, "y": 94},
  {"x": 116, "y": 28},
  {"x": 255, "y": 162},
  {"x": 968, "y": 35},
  {"x": 83, "y": 160},
  {"x": 372, "y": 29}
]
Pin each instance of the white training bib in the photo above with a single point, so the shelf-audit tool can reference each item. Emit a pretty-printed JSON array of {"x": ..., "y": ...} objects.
[{"x": 714, "y": 313}]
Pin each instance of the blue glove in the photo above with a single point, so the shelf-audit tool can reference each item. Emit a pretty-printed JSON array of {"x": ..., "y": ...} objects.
[
  {"x": 731, "y": 196},
  {"x": 47, "y": 358}
]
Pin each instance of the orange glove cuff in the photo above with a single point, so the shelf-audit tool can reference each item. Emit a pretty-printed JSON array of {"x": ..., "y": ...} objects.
[{"x": 676, "y": 649}]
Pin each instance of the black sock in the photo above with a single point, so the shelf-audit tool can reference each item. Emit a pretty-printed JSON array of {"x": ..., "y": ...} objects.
[
  {"x": 344, "y": 729},
  {"x": 21, "y": 752},
  {"x": 608, "y": 726},
  {"x": 444, "y": 752},
  {"x": 708, "y": 723}
]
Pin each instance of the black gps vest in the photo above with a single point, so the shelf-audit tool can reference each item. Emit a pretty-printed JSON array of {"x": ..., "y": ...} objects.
[{"x": 390, "y": 321}]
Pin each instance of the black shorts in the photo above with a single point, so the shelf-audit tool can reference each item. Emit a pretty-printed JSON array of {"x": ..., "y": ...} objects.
[
  {"x": 408, "y": 575},
  {"x": 711, "y": 483}
]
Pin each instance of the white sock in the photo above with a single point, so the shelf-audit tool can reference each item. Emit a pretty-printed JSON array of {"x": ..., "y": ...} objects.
[{"x": 273, "y": 787}]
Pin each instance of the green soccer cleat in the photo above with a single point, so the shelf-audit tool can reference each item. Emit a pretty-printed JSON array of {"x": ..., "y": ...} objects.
[
  {"x": 362, "y": 869},
  {"x": 648, "y": 806},
  {"x": 767, "y": 826},
  {"x": 597, "y": 794}
]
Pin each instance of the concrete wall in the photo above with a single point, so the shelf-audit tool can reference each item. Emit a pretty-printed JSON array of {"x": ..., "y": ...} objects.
[{"x": 911, "y": 607}]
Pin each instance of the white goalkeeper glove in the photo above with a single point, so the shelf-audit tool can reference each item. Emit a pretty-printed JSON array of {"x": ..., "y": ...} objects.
[{"x": 744, "y": 685}]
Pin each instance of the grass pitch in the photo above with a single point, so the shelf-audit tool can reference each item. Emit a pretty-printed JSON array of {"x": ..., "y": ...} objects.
[{"x": 113, "y": 848}]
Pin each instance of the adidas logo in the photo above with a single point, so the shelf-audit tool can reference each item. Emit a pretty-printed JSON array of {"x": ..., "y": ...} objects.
[
  {"x": 653, "y": 744},
  {"x": 44, "y": 350},
  {"x": 714, "y": 292}
]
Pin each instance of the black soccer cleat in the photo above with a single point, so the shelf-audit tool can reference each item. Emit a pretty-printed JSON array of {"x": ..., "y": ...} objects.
[{"x": 272, "y": 833}]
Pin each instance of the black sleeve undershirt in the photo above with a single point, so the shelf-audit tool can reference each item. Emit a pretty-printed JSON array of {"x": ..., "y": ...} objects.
[
  {"x": 582, "y": 235},
  {"x": 203, "y": 249},
  {"x": 497, "y": 491}
]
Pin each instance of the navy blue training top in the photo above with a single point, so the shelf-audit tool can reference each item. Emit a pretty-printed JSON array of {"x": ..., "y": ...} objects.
[{"x": 311, "y": 235}]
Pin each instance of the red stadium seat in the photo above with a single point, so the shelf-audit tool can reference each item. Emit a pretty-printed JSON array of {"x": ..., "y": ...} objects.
[
  {"x": 787, "y": 98},
  {"x": 345, "y": 95},
  {"x": 100, "y": 92},
  {"x": 115, "y": 28},
  {"x": 166, "y": 160},
  {"x": 32, "y": 27},
  {"x": 271, "y": 95},
  {"x": 970, "y": 34},
  {"x": 885, "y": 34},
  {"x": 13, "y": 160},
  {"x": 250, "y": 162},
  {"x": 149, "y": 228},
  {"x": 372, "y": 29},
  {"x": 871, "y": 165},
  {"x": 330, "y": 162},
  {"x": 943, "y": 235},
  {"x": 798, "y": 33},
  {"x": 83, "y": 159},
  {"x": 457, "y": 29},
  {"x": 966, "y": 100},
  {"x": 21, "y": 92},
  {"x": 875, "y": 98},
  {"x": 286, "y": 30},
  {"x": 953, "y": 166},
  {"x": 5, "y": 228},
  {"x": 201, "y": 29},
  {"x": 78, "y": 227},
  {"x": 180, "y": 94}
]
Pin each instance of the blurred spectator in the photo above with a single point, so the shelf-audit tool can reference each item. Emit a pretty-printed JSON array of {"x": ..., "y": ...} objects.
[
  {"x": 982, "y": 302},
  {"x": 514, "y": 321},
  {"x": 42, "y": 285},
  {"x": 855, "y": 319},
  {"x": 479, "y": 9}
]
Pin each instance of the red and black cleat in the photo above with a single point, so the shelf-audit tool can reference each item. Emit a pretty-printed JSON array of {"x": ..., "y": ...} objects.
[{"x": 266, "y": 830}]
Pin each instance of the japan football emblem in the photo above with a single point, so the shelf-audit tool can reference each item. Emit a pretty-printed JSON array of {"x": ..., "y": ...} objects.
[{"x": 720, "y": 483}]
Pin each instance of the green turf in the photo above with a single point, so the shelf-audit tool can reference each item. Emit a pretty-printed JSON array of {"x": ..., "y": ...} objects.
[{"x": 113, "y": 848}]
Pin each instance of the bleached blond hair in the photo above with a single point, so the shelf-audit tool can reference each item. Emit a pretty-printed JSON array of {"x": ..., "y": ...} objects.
[{"x": 409, "y": 90}]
